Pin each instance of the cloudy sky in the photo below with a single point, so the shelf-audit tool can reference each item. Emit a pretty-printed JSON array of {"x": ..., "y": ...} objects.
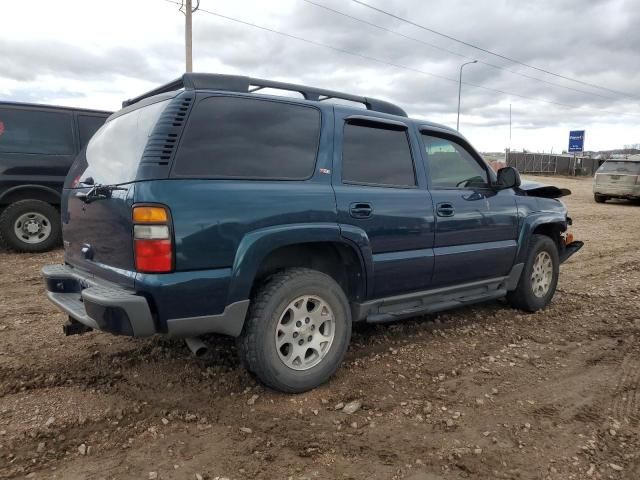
[{"x": 96, "y": 53}]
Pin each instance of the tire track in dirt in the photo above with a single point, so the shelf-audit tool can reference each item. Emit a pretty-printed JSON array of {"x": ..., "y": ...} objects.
[{"x": 625, "y": 404}]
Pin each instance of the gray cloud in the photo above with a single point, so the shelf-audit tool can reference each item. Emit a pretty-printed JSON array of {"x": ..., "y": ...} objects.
[{"x": 593, "y": 41}]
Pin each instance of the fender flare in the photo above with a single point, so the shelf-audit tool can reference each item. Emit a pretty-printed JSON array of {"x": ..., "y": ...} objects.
[
  {"x": 28, "y": 186},
  {"x": 533, "y": 221},
  {"x": 256, "y": 245}
]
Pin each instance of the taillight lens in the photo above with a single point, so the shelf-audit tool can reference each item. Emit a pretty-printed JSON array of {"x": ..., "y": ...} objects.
[{"x": 153, "y": 245}]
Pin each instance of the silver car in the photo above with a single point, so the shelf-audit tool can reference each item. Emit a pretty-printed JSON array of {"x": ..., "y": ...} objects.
[{"x": 617, "y": 179}]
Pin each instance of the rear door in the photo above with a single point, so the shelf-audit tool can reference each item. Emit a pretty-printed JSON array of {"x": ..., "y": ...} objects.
[
  {"x": 376, "y": 182},
  {"x": 617, "y": 177},
  {"x": 97, "y": 234},
  {"x": 476, "y": 224}
]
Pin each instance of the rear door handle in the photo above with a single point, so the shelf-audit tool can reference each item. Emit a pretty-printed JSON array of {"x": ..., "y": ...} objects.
[
  {"x": 360, "y": 210},
  {"x": 445, "y": 210}
]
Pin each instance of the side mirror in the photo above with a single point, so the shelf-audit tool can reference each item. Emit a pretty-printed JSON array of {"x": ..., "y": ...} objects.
[{"x": 508, "y": 177}]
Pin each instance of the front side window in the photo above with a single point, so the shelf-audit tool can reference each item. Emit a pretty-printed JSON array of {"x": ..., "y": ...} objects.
[
  {"x": 232, "y": 137},
  {"x": 376, "y": 155},
  {"x": 451, "y": 166},
  {"x": 36, "y": 132}
]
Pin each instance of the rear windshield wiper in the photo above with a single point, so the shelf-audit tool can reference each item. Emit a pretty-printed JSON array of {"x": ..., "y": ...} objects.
[{"x": 98, "y": 192}]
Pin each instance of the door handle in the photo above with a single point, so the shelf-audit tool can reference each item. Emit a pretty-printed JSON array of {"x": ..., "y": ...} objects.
[
  {"x": 445, "y": 210},
  {"x": 360, "y": 210}
]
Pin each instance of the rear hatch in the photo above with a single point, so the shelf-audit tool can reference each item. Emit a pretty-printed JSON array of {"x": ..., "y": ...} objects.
[
  {"x": 618, "y": 174},
  {"x": 98, "y": 196}
]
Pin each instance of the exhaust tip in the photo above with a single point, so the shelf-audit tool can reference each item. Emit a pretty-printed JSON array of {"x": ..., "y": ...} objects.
[{"x": 197, "y": 346}]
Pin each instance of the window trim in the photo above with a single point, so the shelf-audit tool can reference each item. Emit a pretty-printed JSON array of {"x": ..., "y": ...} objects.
[
  {"x": 424, "y": 131},
  {"x": 253, "y": 97},
  {"x": 366, "y": 121}
]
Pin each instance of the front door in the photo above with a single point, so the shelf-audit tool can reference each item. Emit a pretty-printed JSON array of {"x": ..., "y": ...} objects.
[
  {"x": 476, "y": 224},
  {"x": 379, "y": 198}
]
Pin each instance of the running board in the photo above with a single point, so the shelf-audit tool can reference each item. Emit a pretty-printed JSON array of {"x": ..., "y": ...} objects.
[{"x": 430, "y": 301}]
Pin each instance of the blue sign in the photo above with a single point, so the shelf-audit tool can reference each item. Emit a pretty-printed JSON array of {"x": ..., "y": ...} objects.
[{"x": 576, "y": 141}]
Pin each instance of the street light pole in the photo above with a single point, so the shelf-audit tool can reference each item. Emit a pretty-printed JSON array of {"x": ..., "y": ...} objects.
[{"x": 460, "y": 92}]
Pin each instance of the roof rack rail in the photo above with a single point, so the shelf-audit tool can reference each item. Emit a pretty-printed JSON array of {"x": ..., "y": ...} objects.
[{"x": 239, "y": 83}]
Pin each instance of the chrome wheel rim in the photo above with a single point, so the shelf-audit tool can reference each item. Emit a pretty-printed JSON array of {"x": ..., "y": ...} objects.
[
  {"x": 305, "y": 332},
  {"x": 542, "y": 274},
  {"x": 32, "y": 227}
]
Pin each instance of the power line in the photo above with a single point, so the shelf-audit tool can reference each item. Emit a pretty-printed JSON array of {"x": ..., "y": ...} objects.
[
  {"x": 504, "y": 57},
  {"x": 392, "y": 64},
  {"x": 438, "y": 47}
]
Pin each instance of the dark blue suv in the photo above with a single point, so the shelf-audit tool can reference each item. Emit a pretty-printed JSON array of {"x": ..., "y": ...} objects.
[{"x": 210, "y": 206}]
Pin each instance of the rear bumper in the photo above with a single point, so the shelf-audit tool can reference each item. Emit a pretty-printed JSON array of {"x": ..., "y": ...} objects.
[
  {"x": 617, "y": 191},
  {"x": 98, "y": 304},
  {"x": 102, "y": 305}
]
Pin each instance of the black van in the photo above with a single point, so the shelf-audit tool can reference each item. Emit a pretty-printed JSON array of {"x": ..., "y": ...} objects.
[{"x": 38, "y": 144}]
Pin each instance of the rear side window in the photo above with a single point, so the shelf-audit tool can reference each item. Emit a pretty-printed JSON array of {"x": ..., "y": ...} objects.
[
  {"x": 231, "y": 137},
  {"x": 376, "y": 156},
  {"x": 87, "y": 126},
  {"x": 36, "y": 132}
]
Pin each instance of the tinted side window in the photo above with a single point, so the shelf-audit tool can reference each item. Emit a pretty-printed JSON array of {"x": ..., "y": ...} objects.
[
  {"x": 451, "y": 166},
  {"x": 32, "y": 131},
  {"x": 231, "y": 137},
  {"x": 376, "y": 156},
  {"x": 87, "y": 126}
]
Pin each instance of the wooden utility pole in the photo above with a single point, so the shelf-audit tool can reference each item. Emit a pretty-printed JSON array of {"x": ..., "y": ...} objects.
[
  {"x": 187, "y": 36},
  {"x": 187, "y": 8}
]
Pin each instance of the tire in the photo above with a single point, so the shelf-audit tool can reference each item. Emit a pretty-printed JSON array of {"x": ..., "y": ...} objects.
[
  {"x": 599, "y": 198},
  {"x": 277, "y": 314},
  {"x": 530, "y": 294},
  {"x": 39, "y": 215}
]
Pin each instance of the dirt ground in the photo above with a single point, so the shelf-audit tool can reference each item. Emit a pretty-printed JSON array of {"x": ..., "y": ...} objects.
[{"x": 480, "y": 393}]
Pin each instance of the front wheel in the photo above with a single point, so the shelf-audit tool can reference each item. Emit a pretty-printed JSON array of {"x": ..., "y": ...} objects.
[
  {"x": 539, "y": 277},
  {"x": 297, "y": 331},
  {"x": 599, "y": 198},
  {"x": 30, "y": 226}
]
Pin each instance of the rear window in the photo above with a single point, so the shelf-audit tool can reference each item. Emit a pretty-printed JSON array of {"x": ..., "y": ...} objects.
[
  {"x": 36, "y": 132},
  {"x": 231, "y": 137},
  {"x": 623, "y": 168},
  {"x": 115, "y": 151}
]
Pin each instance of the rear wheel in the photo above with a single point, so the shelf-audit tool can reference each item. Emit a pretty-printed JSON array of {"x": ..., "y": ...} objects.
[
  {"x": 30, "y": 226},
  {"x": 599, "y": 198},
  {"x": 297, "y": 331},
  {"x": 539, "y": 277}
]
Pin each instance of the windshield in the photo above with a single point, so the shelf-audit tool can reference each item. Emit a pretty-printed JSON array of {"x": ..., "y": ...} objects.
[
  {"x": 114, "y": 152},
  {"x": 623, "y": 168}
]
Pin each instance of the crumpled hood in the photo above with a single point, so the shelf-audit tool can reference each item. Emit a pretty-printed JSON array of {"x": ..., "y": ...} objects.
[{"x": 535, "y": 189}]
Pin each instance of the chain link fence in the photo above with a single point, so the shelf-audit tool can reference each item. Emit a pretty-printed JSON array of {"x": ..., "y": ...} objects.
[{"x": 546, "y": 164}]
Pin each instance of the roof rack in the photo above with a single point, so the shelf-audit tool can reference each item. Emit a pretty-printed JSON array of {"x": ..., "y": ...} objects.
[{"x": 239, "y": 83}]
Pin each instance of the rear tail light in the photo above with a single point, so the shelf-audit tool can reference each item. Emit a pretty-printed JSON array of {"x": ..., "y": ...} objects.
[{"x": 153, "y": 244}]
